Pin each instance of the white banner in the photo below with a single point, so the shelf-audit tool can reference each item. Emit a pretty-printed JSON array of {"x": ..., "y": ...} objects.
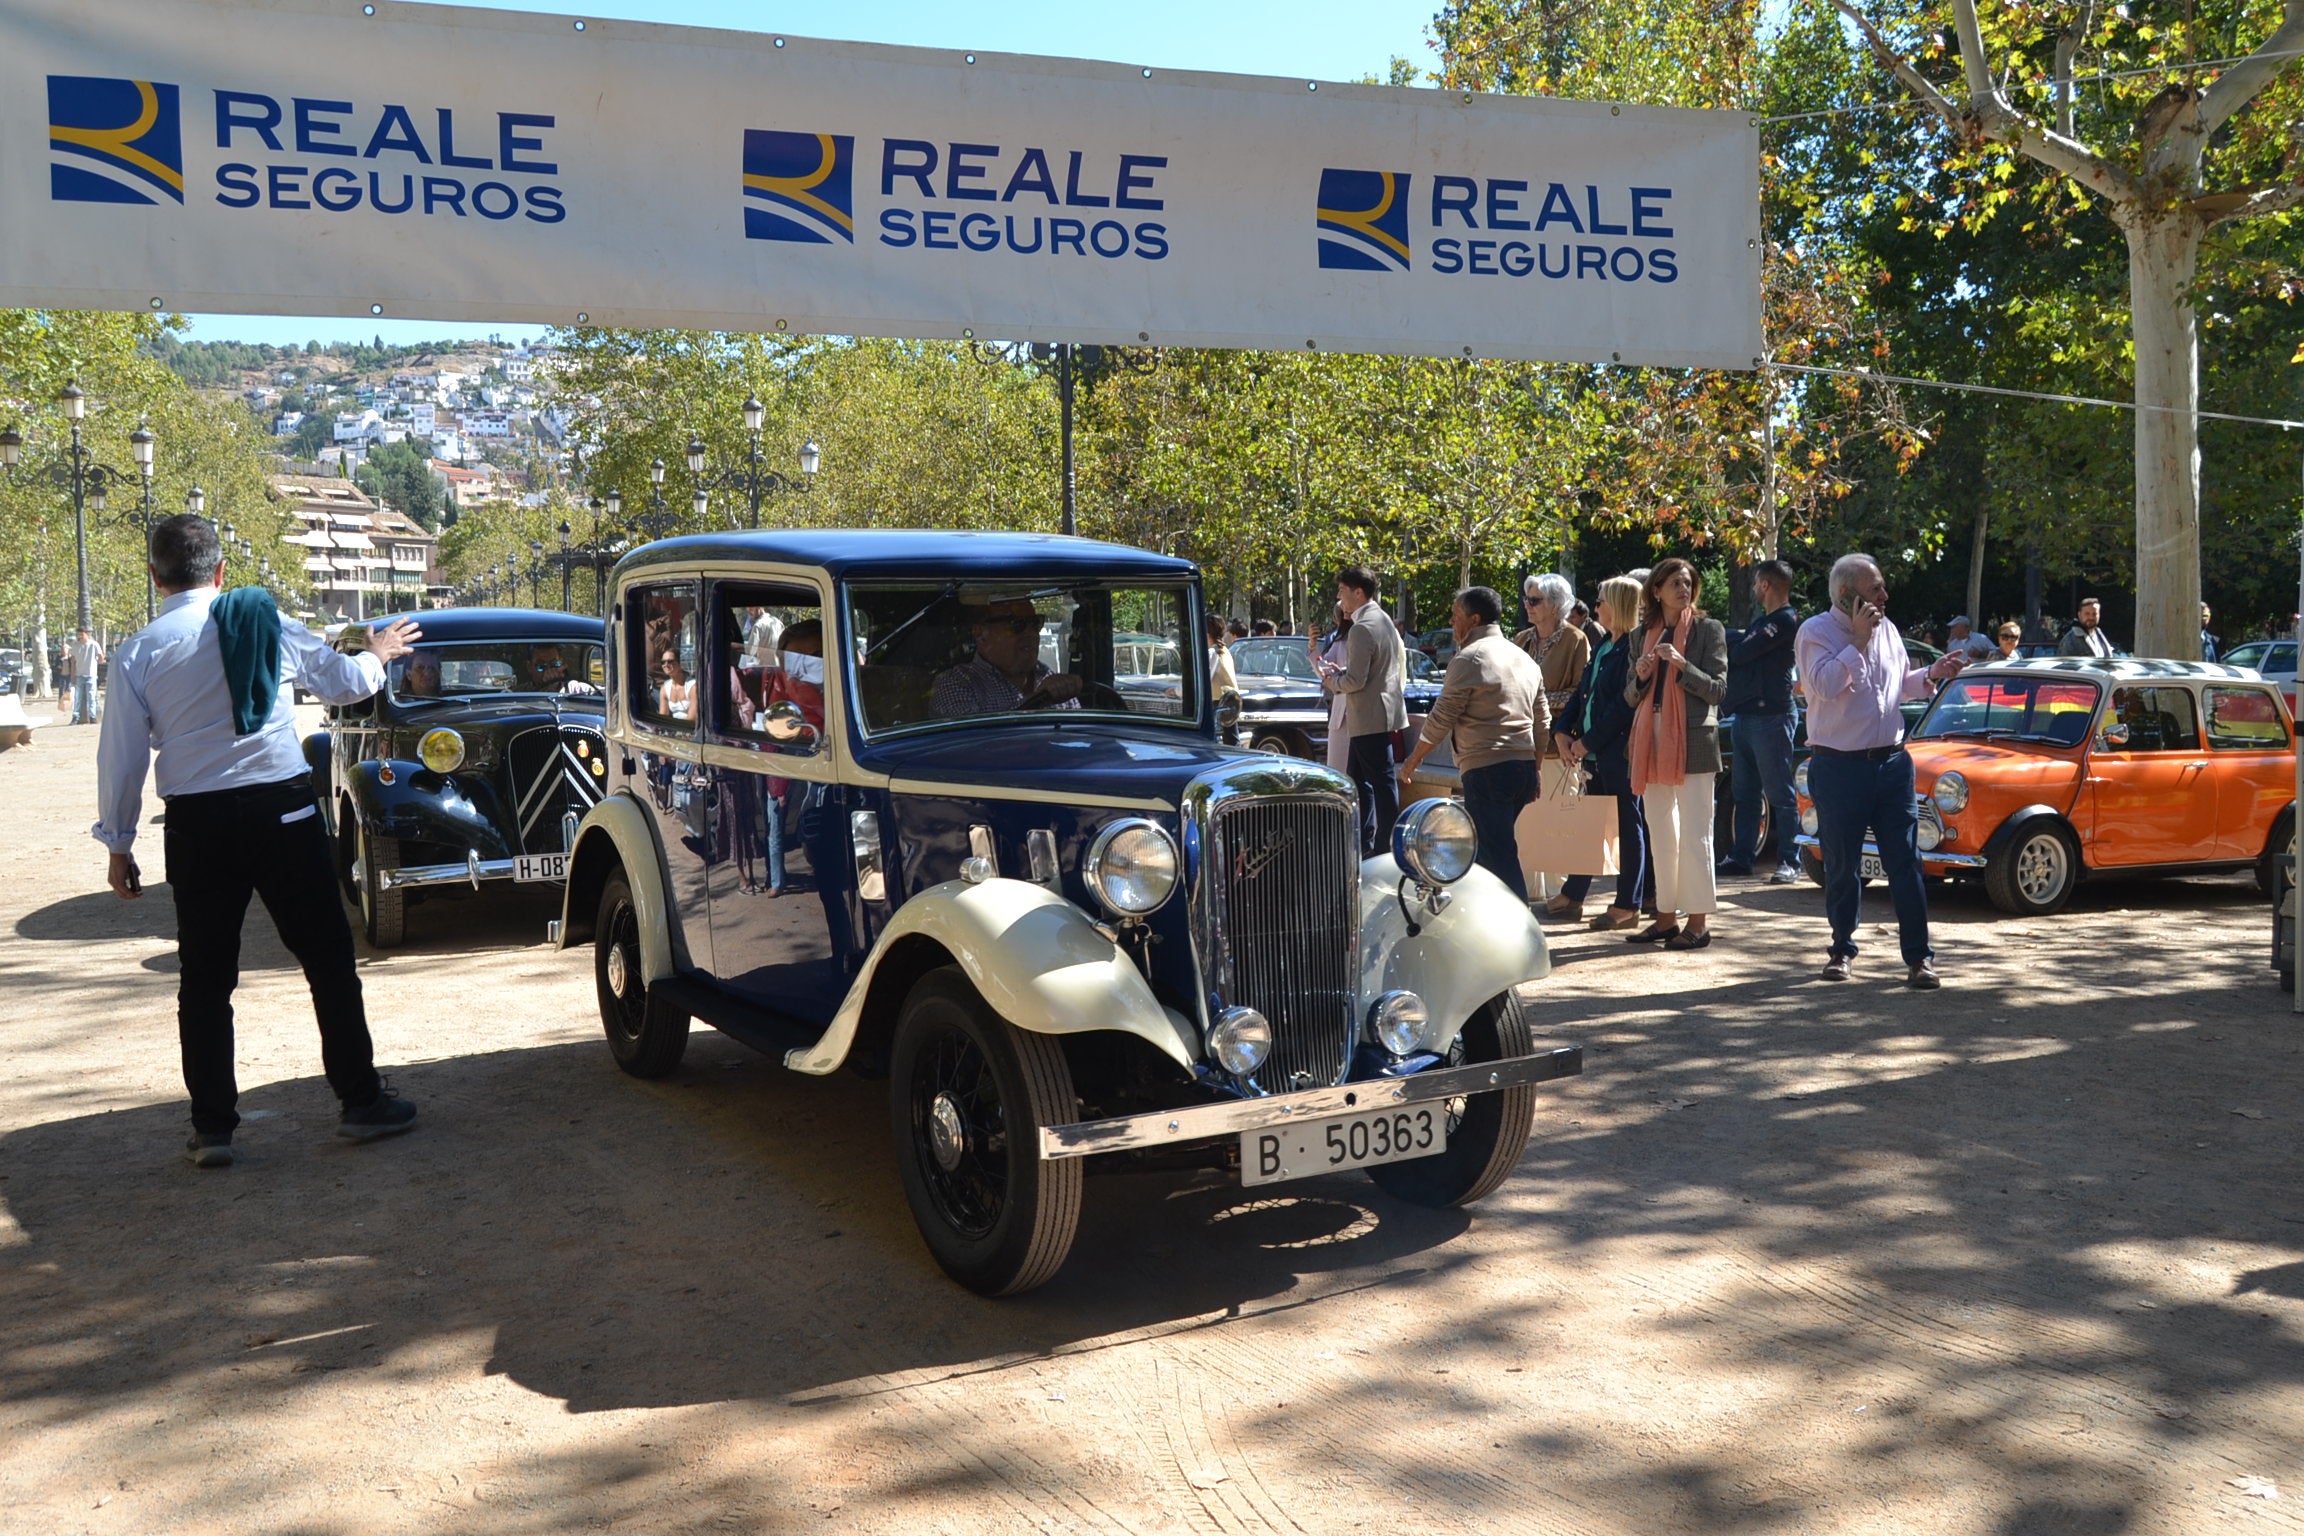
[{"x": 419, "y": 161}]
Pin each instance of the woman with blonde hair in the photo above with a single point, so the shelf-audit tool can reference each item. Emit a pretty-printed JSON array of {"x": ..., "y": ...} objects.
[
  {"x": 1679, "y": 673},
  {"x": 1595, "y": 727}
]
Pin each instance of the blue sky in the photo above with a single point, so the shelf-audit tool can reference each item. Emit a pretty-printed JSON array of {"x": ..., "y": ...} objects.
[{"x": 1327, "y": 40}]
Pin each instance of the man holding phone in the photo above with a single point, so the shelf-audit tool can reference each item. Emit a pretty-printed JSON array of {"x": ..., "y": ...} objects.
[{"x": 1856, "y": 673}]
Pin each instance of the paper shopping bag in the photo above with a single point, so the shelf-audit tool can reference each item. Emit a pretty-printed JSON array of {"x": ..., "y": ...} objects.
[{"x": 1565, "y": 831}]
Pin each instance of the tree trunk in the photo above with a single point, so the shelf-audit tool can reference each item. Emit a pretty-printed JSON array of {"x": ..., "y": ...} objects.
[
  {"x": 1976, "y": 571},
  {"x": 2163, "y": 258}
]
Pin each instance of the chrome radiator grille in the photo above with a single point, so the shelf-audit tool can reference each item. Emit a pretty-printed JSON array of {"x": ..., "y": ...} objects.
[
  {"x": 549, "y": 781},
  {"x": 1283, "y": 882}
]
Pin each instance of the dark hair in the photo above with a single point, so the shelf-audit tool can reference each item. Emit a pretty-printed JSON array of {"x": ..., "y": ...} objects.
[
  {"x": 1215, "y": 627},
  {"x": 1651, "y": 606},
  {"x": 1359, "y": 577},
  {"x": 804, "y": 629},
  {"x": 1236, "y": 629},
  {"x": 1482, "y": 603},
  {"x": 1264, "y": 627},
  {"x": 1775, "y": 570},
  {"x": 185, "y": 551}
]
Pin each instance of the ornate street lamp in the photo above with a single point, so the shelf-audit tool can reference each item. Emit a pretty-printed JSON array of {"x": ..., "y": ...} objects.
[
  {"x": 77, "y": 471},
  {"x": 754, "y": 482}
]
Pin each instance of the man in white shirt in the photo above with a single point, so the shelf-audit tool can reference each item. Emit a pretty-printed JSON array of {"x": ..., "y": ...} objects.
[
  {"x": 241, "y": 818},
  {"x": 85, "y": 657}
]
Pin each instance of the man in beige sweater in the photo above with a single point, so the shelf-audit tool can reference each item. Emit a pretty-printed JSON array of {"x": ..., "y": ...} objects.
[{"x": 1492, "y": 713}]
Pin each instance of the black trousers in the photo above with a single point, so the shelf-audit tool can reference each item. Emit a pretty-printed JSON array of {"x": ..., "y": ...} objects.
[
  {"x": 267, "y": 842},
  {"x": 1369, "y": 761}
]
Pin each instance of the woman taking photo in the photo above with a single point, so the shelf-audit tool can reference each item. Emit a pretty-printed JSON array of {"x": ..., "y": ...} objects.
[
  {"x": 1679, "y": 673},
  {"x": 1595, "y": 728}
]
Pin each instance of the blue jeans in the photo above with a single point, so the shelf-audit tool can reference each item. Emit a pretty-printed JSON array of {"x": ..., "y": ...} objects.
[
  {"x": 1493, "y": 797},
  {"x": 1851, "y": 794},
  {"x": 1762, "y": 771},
  {"x": 84, "y": 701}
]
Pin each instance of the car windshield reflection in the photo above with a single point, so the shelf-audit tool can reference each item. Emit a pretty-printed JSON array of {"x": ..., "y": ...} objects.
[{"x": 491, "y": 668}]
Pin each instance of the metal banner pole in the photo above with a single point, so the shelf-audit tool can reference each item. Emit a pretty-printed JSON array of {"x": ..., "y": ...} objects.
[{"x": 2296, "y": 842}]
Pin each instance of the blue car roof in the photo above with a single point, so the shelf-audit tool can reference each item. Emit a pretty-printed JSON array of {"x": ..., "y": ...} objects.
[
  {"x": 935, "y": 552},
  {"x": 450, "y": 624}
]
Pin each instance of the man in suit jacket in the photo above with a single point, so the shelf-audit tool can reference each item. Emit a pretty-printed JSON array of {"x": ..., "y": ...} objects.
[
  {"x": 2087, "y": 637},
  {"x": 1373, "y": 706}
]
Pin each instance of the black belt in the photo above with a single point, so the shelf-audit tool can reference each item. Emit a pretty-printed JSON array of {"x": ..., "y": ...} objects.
[
  {"x": 1868, "y": 754},
  {"x": 300, "y": 787}
]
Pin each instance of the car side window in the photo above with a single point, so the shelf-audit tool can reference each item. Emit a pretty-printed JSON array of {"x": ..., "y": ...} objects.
[
  {"x": 2153, "y": 719},
  {"x": 2245, "y": 719},
  {"x": 767, "y": 666},
  {"x": 662, "y": 658}
]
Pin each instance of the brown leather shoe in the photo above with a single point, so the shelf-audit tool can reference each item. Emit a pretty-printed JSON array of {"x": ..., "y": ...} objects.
[
  {"x": 1924, "y": 977},
  {"x": 1835, "y": 969},
  {"x": 1614, "y": 918}
]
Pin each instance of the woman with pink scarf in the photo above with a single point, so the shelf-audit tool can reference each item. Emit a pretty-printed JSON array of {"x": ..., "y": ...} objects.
[{"x": 1677, "y": 677}]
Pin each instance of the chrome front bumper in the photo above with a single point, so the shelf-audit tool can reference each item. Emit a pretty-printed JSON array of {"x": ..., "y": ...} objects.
[
  {"x": 1927, "y": 856},
  {"x": 1203, "y": 1122},
  {"x": 473, "y": 870}
]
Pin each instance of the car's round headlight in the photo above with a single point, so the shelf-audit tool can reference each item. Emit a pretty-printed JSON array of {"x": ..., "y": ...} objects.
[
  {"x": 1397, "y": 1020},
  {"x": 1929, "y": 833},
  {"x": 1240, "y": 1040},
  {"x": 441, "y": 750},
  {"x": 1951, "y": 793},
  {"x": 1132, "y": 866},
  {"x": 1808, "y": 821},
  {"x": 1435, "y": 842},
  {"x": 1800, "y": 777}
]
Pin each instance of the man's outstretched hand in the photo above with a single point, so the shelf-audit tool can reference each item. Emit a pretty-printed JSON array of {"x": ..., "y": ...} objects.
[{"x": 397, "y": 638}]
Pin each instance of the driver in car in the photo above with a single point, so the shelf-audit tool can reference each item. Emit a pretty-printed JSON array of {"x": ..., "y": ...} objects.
[
  {"x": 420, "y": 679},
  {"x": 1006, "y": 672},
  {"x": 551, "y": 670}
]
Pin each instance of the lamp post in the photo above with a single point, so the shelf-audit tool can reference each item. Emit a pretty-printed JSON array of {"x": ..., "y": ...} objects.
[
  {"x": 754, "y": 482},
  {"x": 78, "y": 472},
  {"x": 535, "y": 571},
  {"x": 1075, "y": 364},
  {"x": 567, "y": 571}
]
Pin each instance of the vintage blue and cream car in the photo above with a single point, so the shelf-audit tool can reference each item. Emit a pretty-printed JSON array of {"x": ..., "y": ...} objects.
[
  {"x": 473, "y": 765},
  {"x": 898, "y": 802}
]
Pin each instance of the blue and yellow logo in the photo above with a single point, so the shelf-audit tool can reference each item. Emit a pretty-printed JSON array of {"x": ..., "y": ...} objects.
[
  {"x": 128, "y": 132},
  {"x": 1364, "y": 221},
  {"x": 799, "y": 186}
]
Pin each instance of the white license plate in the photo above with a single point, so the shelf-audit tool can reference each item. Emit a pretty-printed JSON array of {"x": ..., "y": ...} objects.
[
  {"x": 1346, "y": 1141},
  {"x": 540, "y": 866},
  {"x": 1869, "y": 864}
]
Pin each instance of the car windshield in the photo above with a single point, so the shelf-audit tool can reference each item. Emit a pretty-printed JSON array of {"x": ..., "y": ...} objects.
[
  {"x": 1273, "y": 658},
  {"x": 487, "y": 668},
  {"x": 2264, "y": 656},
  {"x": 2052, "y": 710},
  {"x": 1063, "y": 648}
]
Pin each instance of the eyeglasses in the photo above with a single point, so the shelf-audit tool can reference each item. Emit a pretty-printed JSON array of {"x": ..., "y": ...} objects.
[{"x": 1530, "y": 601}]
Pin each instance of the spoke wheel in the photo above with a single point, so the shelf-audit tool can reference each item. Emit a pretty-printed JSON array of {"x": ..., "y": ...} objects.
[
  {"x": 646, "y": 1035},
  {"x": 968, "y": 1095},
  {"x": 383, "y": 913},
  {"x": 2036, "y": 875},
  {"x": 1486, "y": 1131}
]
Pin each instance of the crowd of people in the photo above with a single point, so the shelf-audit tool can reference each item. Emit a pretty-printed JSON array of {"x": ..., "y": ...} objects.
[{"x": 1625, "y": 701}]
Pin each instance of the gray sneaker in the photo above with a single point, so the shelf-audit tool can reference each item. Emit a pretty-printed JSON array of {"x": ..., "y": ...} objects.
[
  {"x": 1786, "y": 874},
  {"x": 387, "y": 1114},
  {"x": 206, "y": 1151}
]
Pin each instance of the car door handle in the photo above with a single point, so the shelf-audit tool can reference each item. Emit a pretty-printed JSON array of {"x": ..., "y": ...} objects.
[{"x": 2201, "y": 764}]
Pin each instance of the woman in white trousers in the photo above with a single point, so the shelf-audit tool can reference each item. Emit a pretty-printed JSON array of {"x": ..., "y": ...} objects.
[{"x": 1677, "y": 677}]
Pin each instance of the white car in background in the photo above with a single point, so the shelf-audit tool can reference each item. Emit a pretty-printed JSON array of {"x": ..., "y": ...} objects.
[{"x": 2272, "y": 660}]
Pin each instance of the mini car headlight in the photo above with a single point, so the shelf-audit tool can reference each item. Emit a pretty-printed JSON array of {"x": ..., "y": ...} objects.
[
  {"x": 1435, "y": 842},
  {"x": 1132, "y": 866},
  {"x": 1808, "y": 821},
  {"x": 1800, "y": 777},
  {"x": 1929, "y": 833},
  {"x": 1950, "y": 793},
  {"x": 1397, "y": 1020},
  {"x": 1240, "y": 1040},
  {"x": 441, "y": 750}
]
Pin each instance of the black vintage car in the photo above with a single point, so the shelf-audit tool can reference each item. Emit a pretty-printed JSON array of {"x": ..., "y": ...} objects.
[
  {"x": 473, "y": 765},
  {"x": 1284, "y": 709}
]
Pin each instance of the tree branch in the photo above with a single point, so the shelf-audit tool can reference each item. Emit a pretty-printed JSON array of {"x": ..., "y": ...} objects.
[
  {"x": 2254, "y": 203},
  {"x": 2238, "y": 86},
  {"x": 1896, "y": 64}
]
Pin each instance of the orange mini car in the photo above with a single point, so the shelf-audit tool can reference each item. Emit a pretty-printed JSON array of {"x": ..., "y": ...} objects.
[{"x": 2034, "y": 775}]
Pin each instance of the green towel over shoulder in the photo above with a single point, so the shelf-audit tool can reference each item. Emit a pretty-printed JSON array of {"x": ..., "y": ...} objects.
[{"x": 248, "y": 633}]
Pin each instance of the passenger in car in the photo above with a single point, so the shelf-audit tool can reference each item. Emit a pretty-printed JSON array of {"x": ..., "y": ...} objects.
[
  {"x": 420, "y": 679},
  {"x": 1006, "y": 673}
]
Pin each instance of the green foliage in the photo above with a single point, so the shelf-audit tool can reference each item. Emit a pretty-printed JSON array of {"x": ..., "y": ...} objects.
[{"x": 400, "y": 476}]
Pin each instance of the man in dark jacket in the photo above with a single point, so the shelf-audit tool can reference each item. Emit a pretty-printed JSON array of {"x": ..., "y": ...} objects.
[{"x": 1760, "y": 699}]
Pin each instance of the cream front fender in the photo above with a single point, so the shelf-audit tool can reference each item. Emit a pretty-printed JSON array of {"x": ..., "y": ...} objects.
[
  {"x": 1484, "y": 941},
  {"x": 1036, "y": 959},
  {"x": 617, "y": 832}
]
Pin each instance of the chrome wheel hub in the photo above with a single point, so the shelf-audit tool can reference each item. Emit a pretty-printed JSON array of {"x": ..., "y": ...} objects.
[
  {"x": 947, "y": 1135},
  {"x": 2040, "y": 870},
  {"x": 619, "y": 971}
]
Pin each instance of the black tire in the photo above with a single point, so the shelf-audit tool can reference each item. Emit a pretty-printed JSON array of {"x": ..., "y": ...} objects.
[
  {"x": 383, "y": 913},
  {"x": 968, "y": 1093},
  {"x": 1486, "y": 1131},
  {"x": 2036, "y": 873},
  {"x": 646, "y": 1035},
  {"x": 2282, "y": 841}
]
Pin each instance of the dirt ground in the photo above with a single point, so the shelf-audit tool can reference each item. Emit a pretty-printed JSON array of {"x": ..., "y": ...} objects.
[{"x": 2023, "y": 1256}]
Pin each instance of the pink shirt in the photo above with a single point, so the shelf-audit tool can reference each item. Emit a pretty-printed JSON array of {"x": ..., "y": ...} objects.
[{"x": 1853, "y": 693}]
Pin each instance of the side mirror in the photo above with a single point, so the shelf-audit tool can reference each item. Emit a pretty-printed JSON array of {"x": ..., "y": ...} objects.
[
  {"x": 1227, "y": 710},
  {"x": 784, "y": 722},
  {"x": 2114, "y": 738}
]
